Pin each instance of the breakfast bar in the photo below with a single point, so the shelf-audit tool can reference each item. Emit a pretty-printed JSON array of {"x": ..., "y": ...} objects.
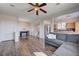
[{"x": 67, "y": 36}]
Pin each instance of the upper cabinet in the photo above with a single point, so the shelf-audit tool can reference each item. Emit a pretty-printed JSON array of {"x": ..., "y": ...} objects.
[
  {"x": 77, "y": 26},
  {"x": 70, "y": 26}
]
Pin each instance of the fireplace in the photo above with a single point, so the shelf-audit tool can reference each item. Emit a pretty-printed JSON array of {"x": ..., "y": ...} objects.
[{"x": 24, "y": 34}]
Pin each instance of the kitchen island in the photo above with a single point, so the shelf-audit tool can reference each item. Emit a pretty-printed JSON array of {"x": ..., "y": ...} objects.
[
  {"x": 67, "y": 32},
  {"x": 67, "y": 36}
]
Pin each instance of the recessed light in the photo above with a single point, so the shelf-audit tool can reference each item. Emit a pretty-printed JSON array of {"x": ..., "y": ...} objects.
[{"x": 12, "y": 5}]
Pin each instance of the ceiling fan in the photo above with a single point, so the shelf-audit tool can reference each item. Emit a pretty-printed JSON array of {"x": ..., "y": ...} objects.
[{"x": 37, "y": 7}]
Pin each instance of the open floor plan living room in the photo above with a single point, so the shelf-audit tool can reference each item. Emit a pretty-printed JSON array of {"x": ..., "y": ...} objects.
[{"x": 39, "y": 29}]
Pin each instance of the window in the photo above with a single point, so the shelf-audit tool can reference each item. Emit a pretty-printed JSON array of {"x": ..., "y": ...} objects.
[{"x": 62, "y": 26}]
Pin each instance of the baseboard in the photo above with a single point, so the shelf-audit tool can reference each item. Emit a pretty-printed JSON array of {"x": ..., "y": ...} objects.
[{"x": 7, "y": 40}]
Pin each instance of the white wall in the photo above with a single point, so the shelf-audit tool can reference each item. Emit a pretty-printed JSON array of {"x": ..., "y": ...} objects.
[
  {"x": 8, "y": 25},
  {"x": 42, "y": 29},
  {"x": 24, "y": 26},
  {"x": 34, "y": 29}
]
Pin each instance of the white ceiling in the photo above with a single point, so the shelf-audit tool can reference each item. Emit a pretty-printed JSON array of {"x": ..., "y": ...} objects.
[{"x": 52, "y": 9}]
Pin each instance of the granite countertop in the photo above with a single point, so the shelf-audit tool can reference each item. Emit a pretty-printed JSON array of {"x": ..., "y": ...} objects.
[{"x": 67, "y": 32}]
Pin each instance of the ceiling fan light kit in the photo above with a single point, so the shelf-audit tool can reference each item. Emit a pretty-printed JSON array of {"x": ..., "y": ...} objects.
[{"x": 37, "y": 7}]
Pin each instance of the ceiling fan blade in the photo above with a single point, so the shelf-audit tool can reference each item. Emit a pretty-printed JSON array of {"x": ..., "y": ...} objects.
[
  {"x": 31, "y": 4},
  {"x": 43, "y": 4},
  {"x": 37, "y": 4},
  {"x": 30, "y": 10},
  {"x": 37, "y": 12},
  {"x": 43, "y": 10}
]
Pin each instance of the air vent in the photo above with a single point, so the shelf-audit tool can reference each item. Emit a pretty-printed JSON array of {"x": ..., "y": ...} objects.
[
  {"x": 12, "y": 5},
  {"x": 57, "y": 3}
]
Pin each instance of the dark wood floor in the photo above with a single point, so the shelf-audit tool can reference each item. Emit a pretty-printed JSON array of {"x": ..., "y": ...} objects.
[{"x": 25, "y": 47}]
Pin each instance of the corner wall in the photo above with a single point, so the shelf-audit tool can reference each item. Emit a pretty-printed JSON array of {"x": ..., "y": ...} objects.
[{"x": 8, "y": 27}]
